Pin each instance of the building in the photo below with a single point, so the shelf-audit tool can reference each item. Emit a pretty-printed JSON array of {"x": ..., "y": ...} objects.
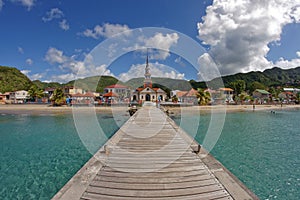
[
  {"x": 70, "y": 90},
  {"x": 123, "y": 92},
  {"x": 186, "y": 96},
  {"x": 4, "y": 98},
  {"x": 261, "y": 96},
  {"x": 20, "y": 96},
  {"x": 147, "y": 92}
]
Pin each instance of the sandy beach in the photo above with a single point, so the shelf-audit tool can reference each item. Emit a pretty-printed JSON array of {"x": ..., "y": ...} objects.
[
  {"x": 42, "y": 109},
  {"x": 46, "y": 109}
]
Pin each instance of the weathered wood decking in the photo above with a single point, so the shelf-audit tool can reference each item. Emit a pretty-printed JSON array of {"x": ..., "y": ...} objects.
[{"x": 150, "y": 157}]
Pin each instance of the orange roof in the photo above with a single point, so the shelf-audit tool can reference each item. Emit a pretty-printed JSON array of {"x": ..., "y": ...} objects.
[
  {"x": 116, "y": 86},
  {"x": 110, "y": 94},
  {"x": 226, "y": 89}
]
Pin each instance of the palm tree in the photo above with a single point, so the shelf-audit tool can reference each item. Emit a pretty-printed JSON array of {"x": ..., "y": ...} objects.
[
  {"x": 58, "y": 98},
  {"x": 203, "y": 97},
  {"x": 35, "y": 93}
]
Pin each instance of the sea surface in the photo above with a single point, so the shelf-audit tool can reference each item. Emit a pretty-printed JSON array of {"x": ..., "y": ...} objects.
[
  {"x": 39, "y": 154},
  {"x": 261, "y": 148}
]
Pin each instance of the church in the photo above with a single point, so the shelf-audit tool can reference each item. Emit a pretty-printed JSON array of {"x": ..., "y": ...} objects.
[{"x": 147, "y": 92}]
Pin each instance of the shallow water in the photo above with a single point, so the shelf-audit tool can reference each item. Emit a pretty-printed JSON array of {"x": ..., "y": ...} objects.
[
  {"x": 261, "y": 149},
  {"x": 39, "y": 154}
]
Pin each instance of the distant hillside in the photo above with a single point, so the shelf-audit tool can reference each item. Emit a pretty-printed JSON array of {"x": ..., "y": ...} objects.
[
  {"x": 94, "y": 83},
  {"x": 11, "y": 79},
  {"x": 172, "y": 84},
  {"x": 43, "y": 85},
  {"x": 269, "y": 77}
]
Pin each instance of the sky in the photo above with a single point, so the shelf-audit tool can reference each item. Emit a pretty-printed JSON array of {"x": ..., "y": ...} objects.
[{"x": 53, "y": 40}]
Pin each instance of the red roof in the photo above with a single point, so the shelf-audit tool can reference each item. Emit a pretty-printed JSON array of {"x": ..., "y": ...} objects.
[
  {"x": 110, "y": 94},
  {"x": 116, "y": 86}
]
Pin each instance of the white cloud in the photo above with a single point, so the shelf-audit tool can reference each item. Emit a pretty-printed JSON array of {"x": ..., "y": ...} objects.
[
  {"x": 1, "y": 4},
  {"x": 179, "y": 61},
  {"x": 156, "y": 70},
  {"x": 64, "y": 25},
  {"x": 20, "y": 50},
  {"x": 25, "y": 71},
  {"x": 73, "y": 69},
  {"x": 298, "y": 53},
  {"x": 106, "y": 31},
  {"x": 161, "y": 41},
  {"x": 36, "y": 76},
  {"x": 54, "y": 55},
  {"x": 158, "y": 45},
  {"x": 26, "y": 3},
  {"x": 29, "y": 61},
  {"x": 239, "y": 31},
  {"x": 287, "y": 64},
  {"x": 54, "y": 13}
]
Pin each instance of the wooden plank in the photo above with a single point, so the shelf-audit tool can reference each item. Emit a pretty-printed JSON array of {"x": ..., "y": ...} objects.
[{"x": 205, "y": 196}]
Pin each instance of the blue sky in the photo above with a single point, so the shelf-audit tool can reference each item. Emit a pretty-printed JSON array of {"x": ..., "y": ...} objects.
[{"x": 49, "y": 40}]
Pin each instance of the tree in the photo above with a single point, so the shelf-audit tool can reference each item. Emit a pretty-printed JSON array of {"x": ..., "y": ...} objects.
[
  {"x": 58, "y": 98},
  {"x": 238, "y": 86},
  {"x": 203, "y": 97},
  {"x": 35, "y": 93},
  {"x": 256, "y": 85}
]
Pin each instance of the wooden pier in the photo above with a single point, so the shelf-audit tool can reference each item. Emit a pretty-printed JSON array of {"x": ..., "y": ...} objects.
[{"x": 150, "y": 157}]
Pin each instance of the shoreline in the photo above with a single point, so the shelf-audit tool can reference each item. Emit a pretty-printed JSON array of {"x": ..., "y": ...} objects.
[
  {"x": 231, "y": 108},
  {"x": 45, "y": 109}
]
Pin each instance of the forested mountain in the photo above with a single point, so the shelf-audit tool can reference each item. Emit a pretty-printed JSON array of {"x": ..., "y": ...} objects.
[
  {"x": 12, "y": 79},
  {"x": 270, "y": 77}
]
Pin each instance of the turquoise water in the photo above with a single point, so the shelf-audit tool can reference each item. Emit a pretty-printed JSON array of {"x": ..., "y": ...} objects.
[
  {"x": 39, "y": 154},
  {"x": 261, "y": 149}
]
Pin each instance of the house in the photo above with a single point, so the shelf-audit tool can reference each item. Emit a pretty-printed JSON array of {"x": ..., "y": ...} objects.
[
  {"x": 147, "y": 92},
  {"x": 226, "y": 94},
  {"x": 186, "y": 96},
  {"x": 262, "y": 96},
  {"x": 20, "y": 96},
  {"x": 4, "y": 97},
  {"x": 123, "y": 92},
  {"x": 70, "y": 90}
]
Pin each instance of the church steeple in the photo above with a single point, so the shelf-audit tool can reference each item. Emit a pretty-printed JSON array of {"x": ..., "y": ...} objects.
[{"x": 147, "y": 81}]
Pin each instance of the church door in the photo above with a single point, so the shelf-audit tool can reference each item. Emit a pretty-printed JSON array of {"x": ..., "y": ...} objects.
[
  {"x": 134, "y": 98},
  {"x": 148, "y": 97}
]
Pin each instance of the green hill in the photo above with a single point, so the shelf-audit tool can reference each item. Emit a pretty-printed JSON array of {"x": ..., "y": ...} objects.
[
  {"x": 269, "y": 77},
  {"x": 94, "y": 83},
  {"x": 172, "y": 84},
  {"x": 11, "y": 79},
  {"x": 43, "y": 85}
]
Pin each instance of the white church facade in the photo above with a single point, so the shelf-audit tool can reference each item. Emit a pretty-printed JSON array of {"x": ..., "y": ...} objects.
[{"x": 147, "y": 92}]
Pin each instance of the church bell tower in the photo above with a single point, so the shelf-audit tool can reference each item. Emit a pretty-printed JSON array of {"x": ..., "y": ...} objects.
[{"x": 147, "y": 81}]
